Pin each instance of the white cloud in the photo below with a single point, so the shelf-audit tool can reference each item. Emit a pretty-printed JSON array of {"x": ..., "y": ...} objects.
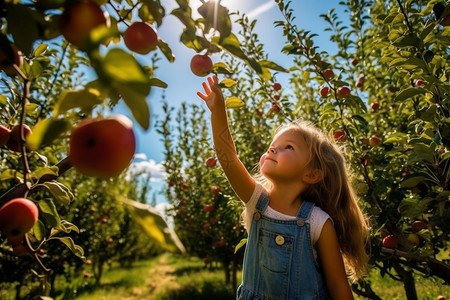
[
  {"x": 145, "y": 167},
  {"x": 163, "y": 208},
  {"x": 142, "y": 156},
  {"x": 261, "y": 9}
]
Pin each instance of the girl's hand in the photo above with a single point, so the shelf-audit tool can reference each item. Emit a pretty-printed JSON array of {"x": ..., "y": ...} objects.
[{"x": 214, "y": 97}]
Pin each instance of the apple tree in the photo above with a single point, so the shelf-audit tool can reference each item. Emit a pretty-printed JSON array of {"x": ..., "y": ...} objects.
[{"x": 383, "y": 96}]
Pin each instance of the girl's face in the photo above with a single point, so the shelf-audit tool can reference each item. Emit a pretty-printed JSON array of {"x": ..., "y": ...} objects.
[{"x": 287, "y": 157}]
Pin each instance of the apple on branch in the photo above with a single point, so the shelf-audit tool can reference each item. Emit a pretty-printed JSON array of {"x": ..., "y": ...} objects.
[
  {"x": 13, "y": 143},
  {"x": 140, "y": 37},
  {"x": 17, "y": 217},
  {"x": 7, "y": 61},
  {"x": 4, "y": 135},
  {"x": 201, "y": 65},
  {"x": 79, "y": 19},
  {"x": 102, "y": 147}
]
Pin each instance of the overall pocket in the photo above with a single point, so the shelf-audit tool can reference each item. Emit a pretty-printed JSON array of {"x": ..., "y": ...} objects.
[{"x": 275, "y": 254}]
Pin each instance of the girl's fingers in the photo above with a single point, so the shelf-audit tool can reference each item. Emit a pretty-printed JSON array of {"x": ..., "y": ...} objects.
[
  {"x": 206, "y": 87},
  {"x": 202, "y": 96}
]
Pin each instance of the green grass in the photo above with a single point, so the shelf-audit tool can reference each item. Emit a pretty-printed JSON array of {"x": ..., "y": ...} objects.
[{"x": 170, "y": 277}]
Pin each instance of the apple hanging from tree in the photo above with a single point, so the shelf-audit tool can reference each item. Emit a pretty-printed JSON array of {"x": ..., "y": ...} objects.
[
  {"x": 324, "y": 91},
  {"x": 79, "y": 19},
  {"x": 208, "y": 207},
  {"x": 343, "y": 91},
  {"x": 4, "y": 135},
  {"x": 14, "y": 138},
  {"x": 390, "y": 242},
  {"x": 17, "y": 217},
  {"x": 211, "y": 162},
  {"x": 277, "y": 86},
  {"x": 102, "y": 147},
  {"x": 328, "y": 74},
  {"x": 140, "y": 37},
  {"x": 201, "y": 65},
  {"x": 339, "y": 135},
  {"x": 374, "y": 141},
  {"x": 215, "y": 190},
  {"x": 374, "y": 106}
]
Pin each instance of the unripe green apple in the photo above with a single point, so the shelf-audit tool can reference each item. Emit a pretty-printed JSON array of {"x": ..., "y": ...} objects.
[
  {"x": 17, "y": 217},
  {"x": 414, "y": 239},
  {"x": 14, "y": 138},
  {"x": 79, "y": 19},
  {"x": 201, "y": 65},
  {"x": 102, "y": 147},
  {"x": 140, "y": 37}
]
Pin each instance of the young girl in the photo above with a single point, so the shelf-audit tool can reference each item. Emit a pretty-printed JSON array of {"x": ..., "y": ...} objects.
[{"x": 302, "y": 218}]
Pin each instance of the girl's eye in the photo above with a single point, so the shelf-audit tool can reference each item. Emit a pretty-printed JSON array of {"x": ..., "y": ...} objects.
[{"x": 289, "y": 147}]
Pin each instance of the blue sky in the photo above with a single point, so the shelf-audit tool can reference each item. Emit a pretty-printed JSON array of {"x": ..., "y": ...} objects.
[{"x": 183, "y": 85}]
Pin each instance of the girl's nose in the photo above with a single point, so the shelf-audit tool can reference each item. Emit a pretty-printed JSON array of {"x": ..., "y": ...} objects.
[{"x": 271, "y": 150}]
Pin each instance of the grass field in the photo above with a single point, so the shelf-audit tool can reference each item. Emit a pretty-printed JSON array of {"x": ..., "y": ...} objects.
[{"x": 168, "y": 277}]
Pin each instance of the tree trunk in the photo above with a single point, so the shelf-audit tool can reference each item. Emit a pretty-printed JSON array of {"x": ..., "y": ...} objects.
[{"x": 408, "y": 282}]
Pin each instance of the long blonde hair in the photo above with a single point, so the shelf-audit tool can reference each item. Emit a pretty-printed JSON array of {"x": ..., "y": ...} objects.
[{"x": 335, "y": 195}]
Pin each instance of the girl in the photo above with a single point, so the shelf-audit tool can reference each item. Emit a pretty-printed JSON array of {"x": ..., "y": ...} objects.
[{"x": 302, "y": 217}]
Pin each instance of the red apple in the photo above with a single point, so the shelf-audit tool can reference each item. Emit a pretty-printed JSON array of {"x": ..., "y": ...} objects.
[
  {"x": 343, "y": 91},
  {"x": 208, "y": 207},
  {"x": 201, "y": 65},
  {"x": 354, "y": 62},
  {"x": 19, "y": 250},
  {"x": 15, "y": 240},
  {"x": 207, "y": 260},
  {"x": 140, "y": 37},
  {"x": 339, "y": 135},
  {"x": 102, "y": 147},
  {"x": 86, "y": 275},
  {"x": 360, "y": 81},
  {"x": 215, "y": 190},
  {"x": 184, "y": 186},
  {"x": 442, "y": 297},
  {"x": 276, "y": 97},
  {"x": 414, "y": 239},
  {"x": 418, "y": 226},
  {"x": 79, "y": 19},
  {"x": 275, "y": 108},
  {"x": 88, "y": 262},
  {"x": 374, "y": 106},
  {"x": 17, "y": 217},
  {"x": 109, "y": 240},
  {"x": 390, "y": 242},
  {"x": 277, "y": 86},
  {"x": 4, "y": 135},
  {"x": 366, "y": 160},
  {"x": 211, "y": 162},
  {"x": 324, "y": 91},
  {"x": 420, "y": 82},
  {"x": 206, "y": 226},
  {"x": 328, "y": 74},
  {"x": 13, "y": 143},
  {"x": 7, "y": 61},
  {"x": 219, "y": 243},
  {"x": 259, "y": 112},
  {"x": 374, "y": 141}
]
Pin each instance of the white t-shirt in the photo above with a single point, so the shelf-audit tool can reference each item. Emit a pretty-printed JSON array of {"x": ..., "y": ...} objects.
[{"x": 316, "y": 220}]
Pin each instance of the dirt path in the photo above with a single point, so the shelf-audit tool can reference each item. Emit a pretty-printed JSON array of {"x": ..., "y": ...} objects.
[{"x": 161, "y": 275}]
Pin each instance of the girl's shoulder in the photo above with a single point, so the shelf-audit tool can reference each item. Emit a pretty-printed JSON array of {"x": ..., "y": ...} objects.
[{"x": 317, "y": 219}]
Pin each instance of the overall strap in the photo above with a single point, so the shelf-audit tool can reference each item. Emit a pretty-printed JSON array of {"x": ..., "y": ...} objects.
[
  {"x": 305, "y": 210},
  {"x": 263, "y": 202}
]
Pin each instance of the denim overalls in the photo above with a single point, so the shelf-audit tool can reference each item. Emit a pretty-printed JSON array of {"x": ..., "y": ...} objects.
[{"x": 278, "y": 260}]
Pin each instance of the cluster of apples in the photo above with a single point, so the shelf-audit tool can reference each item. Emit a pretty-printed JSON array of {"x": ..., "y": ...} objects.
[
  {"x": 391, "y": 241},
  {"x": 81, "y": 18}
]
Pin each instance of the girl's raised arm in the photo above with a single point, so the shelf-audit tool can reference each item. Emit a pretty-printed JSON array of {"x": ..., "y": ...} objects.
[{"x": 240, "y": 180}]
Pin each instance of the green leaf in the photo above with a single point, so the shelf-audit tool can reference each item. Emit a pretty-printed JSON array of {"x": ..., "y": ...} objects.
[
  {"x": 165, "y": 49},
  {"x": 409, "y": 93},
  {"x": 22, "y": 26},
  {"x": 409, "y": 40},
  {"x": 234, "y": 102},
  {"x": 135, "y": 101},
  {"x": 232, "y": 45},
  {"x": 154, "y": 225},
  {"x": 77, "y": 250},
  {"x": 157, "y": 82},
  {"x": 271, "y": 65},
  {"x": 217, "y": 17},
  {"x": 46, "y": 131},
  {"x": 39, "y": 230},
  {"x": 412, "y": 181},
  {"x": 85, "y": 99},
  {"x": 240, "y": 245},
  {"x": 228, "y": 83},
  {"x": 49, "y": 212},
  {"x": 59, "y": 191},
  {"x": 41, "y": 49},
  {"x": 38, "y": 173}
]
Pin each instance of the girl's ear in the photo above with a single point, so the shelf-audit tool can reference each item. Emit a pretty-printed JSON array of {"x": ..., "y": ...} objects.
[{"x": 313, "y": 176}]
